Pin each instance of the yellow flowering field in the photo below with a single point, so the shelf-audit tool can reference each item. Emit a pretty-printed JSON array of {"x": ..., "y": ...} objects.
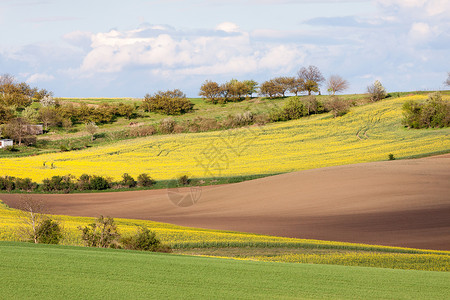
[
  {"x": 367, "y": 133},
  {"x": 193, "y": 240}
]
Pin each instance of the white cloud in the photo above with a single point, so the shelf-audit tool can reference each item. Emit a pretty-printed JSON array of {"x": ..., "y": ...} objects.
[
  {"x": 228, "y": 27},
  {"x": 40, "y": 77},
  {"x": 202, "y": 53}
]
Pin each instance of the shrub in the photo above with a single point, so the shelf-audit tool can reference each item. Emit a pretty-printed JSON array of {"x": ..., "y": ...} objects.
[
  {"x": 184, "y": 180},
  {"x": 102, "y": 234},
  {"x": 145, "y": 130},
  {"x": 169, "y": 103},
  {"x": 292, "y": 110},
  {"x": 7, "y": 183},
  {"x": 84, "y": 182},
  {"x": 391, "y": 156},
  {"x": 58, "y": 183},
  {"x": 25, "y": 184},
  {"x": 99, "y": 183},
  {"x": 49, "y": 232},
  {"x": 145, "y": 180},
  {"x": 337, "y": 106},
  {"x": 167, "y": 125},
  {"x": 432, "y": 114},
  {"x": 144, "y": 240},
  {"x": 128, "y": 181}
]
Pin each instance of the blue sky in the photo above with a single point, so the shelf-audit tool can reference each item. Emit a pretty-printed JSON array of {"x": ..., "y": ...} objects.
[{"x": 130, "y": 48}]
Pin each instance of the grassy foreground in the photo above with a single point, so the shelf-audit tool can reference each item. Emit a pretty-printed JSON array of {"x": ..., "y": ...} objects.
[
  {"x": 367, "y": 133},
  {"x": 55, "y": 272},
  {"x": 247, "y": 246}
]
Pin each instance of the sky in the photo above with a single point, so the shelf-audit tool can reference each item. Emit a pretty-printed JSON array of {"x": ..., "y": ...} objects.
[{"x": 114, "y": 48}]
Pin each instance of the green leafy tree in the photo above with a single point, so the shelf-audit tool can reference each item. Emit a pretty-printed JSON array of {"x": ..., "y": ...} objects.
[
  {"x": 312, "y": 77},
  {"x": 211, "y": 91}
]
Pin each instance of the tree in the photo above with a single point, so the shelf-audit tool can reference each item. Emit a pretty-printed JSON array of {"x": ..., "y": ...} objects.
[
  {"x": 312, "y": 78},
  {"x": 6, "y": 114},
  {"x": 102, "y": 233},
  {"x": 271, "y": 88},
  {"x": 376, "y": 91},
  {"x": 15, "y": 94},
  {"x": 285, "y": 84},
  {"x": 48, "y": 116},
  {"x": 298, "y": 86},
  {"x": 211, "y": 91},
  {"x": 336, "y": 84},
  {"x": 251, "y": 87},
  {"x": 47, "y": 101},
  {"x": 447, "y": 82},
  {"x": 17, "y": 129},
  {"x": 32, "y": 218},
  {"x": 91, "y": 128}
]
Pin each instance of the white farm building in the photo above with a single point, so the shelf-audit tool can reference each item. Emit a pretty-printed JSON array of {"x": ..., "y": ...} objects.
[{"x": 5, "y": 143}]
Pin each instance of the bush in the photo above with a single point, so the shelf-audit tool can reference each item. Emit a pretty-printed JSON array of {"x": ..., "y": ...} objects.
[
  {"x": 433, "y": 113},
  {"x": 391, "y": 156},
  {"x": 184, "y": 180},
  {"x": 145, "y": 180},
  {"x": 58, "y": 183},
  {"x": 337, "y": 106},
  {"x": 128, "y": 181},
  {"x": 292, "y": 110},
  {"x": 49, "y": 232},
  {"x": 7, "y": 183},
  {"x": 102, "y": 234},
  {"x": 167, "y": 125},
  {"x": 144, "y": 240},
  {"x": 99, "y": 183},
  {"x": 169, "y": 103},
  {"x": 25, "y": 184}
]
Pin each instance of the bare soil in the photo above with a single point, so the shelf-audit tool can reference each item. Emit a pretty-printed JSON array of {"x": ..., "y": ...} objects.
[{"x": 397, "y": 203}]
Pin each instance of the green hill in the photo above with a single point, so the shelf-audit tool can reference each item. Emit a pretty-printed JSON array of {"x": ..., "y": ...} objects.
[{"x": 55, "y": 272}]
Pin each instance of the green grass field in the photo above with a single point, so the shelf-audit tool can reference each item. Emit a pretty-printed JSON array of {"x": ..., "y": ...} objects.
[{"x": 55, "y": 272}]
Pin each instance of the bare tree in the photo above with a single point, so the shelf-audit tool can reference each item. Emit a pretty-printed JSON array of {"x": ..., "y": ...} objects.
[
  {"x": 32, "y": 217},
  {"x": 447, "y": 82},
  {"x": 377, "y": 91},
  {"x": 92, "y": 129},
  {"x": 336, "y": 84},
  {"x": 313, "y": 78},
  {"x": 17, "y": 129}
]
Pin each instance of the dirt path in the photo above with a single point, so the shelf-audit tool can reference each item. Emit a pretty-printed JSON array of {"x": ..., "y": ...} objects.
[{"x": 399, "y": 203}]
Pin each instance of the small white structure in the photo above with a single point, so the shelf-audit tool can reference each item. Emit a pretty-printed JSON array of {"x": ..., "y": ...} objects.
[{"x": 6, "y": 143}]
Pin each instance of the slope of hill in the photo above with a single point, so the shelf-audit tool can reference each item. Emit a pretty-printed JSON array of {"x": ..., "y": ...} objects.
[{"x": 367, "y": 133}]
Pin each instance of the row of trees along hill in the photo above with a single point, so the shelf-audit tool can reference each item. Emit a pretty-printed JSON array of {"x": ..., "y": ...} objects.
[{"x": 308, "y": 80}]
